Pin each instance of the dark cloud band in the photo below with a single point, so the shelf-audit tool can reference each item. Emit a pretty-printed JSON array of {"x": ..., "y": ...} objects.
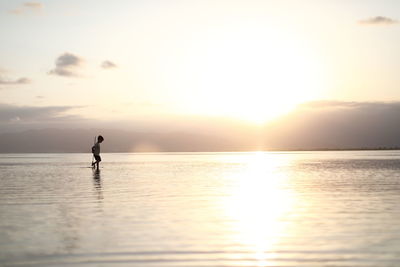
[{"x": 12, "y": 113}]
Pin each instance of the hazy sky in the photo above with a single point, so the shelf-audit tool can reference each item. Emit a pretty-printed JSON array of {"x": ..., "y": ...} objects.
[{"x": 251, "y": 60}]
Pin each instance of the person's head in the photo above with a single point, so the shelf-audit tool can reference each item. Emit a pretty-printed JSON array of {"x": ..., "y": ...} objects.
[{"x": 100, "y": 139}]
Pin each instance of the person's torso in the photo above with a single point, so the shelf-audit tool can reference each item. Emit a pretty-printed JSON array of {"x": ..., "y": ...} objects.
[{"x": 96, "y": 150}]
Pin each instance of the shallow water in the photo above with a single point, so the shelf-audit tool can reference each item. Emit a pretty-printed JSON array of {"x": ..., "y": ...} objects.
[{"x": 201, "y": 209}]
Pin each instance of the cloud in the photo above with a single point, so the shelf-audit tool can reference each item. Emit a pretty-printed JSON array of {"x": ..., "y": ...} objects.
[
  {"x": 67, "y": 65},
  {"x": 378, "y": 20},
  {"x": 108, "y": 64},
  {"x": 34, "y": 5},
  {"x": 27, "y": 7},
  {"x": 13, "y": 113},
  {"x": 16, "y": 11},
  {"x": 337, "y": 125},
  {"x": 22, "y": 80}
]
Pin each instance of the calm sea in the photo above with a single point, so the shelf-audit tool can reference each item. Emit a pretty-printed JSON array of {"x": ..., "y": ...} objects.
[{"x": 201, "y": 209}]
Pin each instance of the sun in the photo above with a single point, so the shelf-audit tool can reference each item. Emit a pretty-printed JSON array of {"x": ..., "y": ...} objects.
[{"x": 253, "y": 76}]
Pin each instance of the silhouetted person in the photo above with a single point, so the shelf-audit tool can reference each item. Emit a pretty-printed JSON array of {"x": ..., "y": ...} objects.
[{"x": 96, "y": 152}]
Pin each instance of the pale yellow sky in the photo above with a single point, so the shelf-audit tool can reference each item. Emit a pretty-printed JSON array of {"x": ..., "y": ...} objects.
[{"x": 250, "y": 60}]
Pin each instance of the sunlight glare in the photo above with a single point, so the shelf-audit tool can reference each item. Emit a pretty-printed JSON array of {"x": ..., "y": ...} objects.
[{"x": 259, "y": 205}]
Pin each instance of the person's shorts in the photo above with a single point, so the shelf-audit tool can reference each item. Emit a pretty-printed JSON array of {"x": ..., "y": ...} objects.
[{"x": 97, "y": 157}]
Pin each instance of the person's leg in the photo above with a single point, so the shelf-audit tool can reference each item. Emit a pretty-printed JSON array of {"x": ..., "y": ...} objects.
[{"x": 98, "y": 159}]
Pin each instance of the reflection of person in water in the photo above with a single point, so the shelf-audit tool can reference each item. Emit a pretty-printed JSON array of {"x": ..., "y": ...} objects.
[
  {"x": 97, "y": 183},
  {"x": 96, "y": 152}
]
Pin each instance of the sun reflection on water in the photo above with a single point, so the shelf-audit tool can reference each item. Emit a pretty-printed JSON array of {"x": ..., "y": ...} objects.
[{"x": 259, "y": 203}]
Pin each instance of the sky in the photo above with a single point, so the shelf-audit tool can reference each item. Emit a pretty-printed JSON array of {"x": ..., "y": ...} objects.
[{"x": 126, "y": 62}]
